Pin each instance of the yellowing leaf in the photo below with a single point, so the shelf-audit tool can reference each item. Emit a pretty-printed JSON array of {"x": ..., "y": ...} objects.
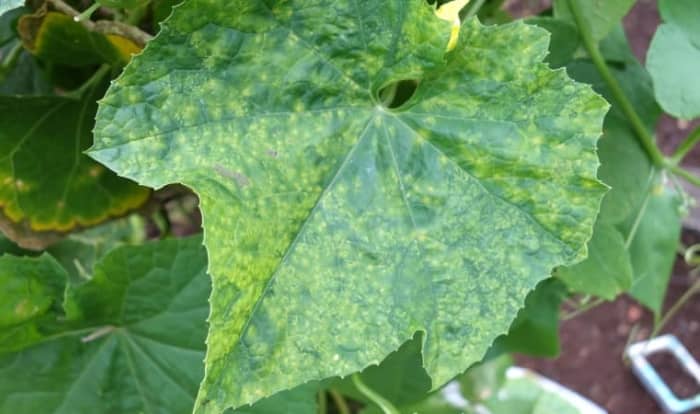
[{"x": 337, "y": 226}]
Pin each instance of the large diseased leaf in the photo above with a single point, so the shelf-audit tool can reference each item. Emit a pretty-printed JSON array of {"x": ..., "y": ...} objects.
[
  {"x": 674, "y": 58},
  {"x": 47, "y": 185},
  {"x": 338, "y": 226}
]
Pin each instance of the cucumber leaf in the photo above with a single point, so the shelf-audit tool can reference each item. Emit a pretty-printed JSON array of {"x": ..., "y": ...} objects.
[
  {"x": 674, "y": 58},
  {"x": 49, "y": 187},
  {"x": 340, "y": 221},
  {"x": 131, "y": 339}
]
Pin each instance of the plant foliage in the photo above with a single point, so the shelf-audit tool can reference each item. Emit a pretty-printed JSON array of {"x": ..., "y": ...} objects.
[{"x": 394, "y": 195}]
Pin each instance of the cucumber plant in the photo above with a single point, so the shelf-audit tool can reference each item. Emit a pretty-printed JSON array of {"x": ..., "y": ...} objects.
[{"x": 390, "y": 193}]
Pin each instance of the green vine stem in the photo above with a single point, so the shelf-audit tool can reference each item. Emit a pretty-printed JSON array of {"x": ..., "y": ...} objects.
[
  {"x": 105, "y": 26},
  {"x": 687, "y": 175},
  {"x": 95, "y": 78},
  {"x": 87, "y": 14},
  {"x": 695, "y": 288},
  {"x": 381, "y": 402},
  {"x": 641, "y": 132},
  {"x": 685, "y": 146},
  {"x": 339, "y": 402},
  {"x": 474, "y": 9},
  {"x": 322, "y": 402}
]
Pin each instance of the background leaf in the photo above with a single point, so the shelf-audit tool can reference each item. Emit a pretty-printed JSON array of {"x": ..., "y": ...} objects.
[
  {"x": 653, "y": 250},
  {"x": 359, "y": 219},
  {"x": 601, "y": 16},
  {"x": 56, "y": 37},
  {"x": 49, "y": 186},
  {"x": 30, "y": 299},
  {"x": 674, "y": 58},
  {"x": 607, "y": 271}
]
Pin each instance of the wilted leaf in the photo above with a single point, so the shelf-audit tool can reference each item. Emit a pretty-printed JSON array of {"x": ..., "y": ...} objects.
[
  {"x": 337, "y": 225},
  {"x": 56, "y": 37},
  {"x": 47, "y": 185},
  {"x": 654, "y": 248},
  {"x": 607, "y": 271}
]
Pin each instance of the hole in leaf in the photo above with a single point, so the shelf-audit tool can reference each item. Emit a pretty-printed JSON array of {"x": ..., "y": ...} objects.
[{"x": 398, "y": 93}]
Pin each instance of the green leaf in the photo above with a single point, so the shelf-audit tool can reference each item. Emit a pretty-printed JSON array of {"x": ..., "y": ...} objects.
[
  {"x": 535, "y": 331},
  {"x": 135, "y": 341},
  {"x": 565, "y": 39},
  {"x": 56, "y": 37},
  {"x": 129, "y": 353},
  {"x": 31, "y": 295},
  {"x": 49, "y": 186},
  {"x": 332, "y": 218},
  {"x": 625, "y": 166},
  {"x": 601, "y": 16},
  {"x": 607, "y": 271},
  {"x": 7, "y": 5},
  {"x": 400, "y": 378},
  {"x": 654, "y": 247},
  {"x": 483, "y": 380},
  {"x": 674, "y": 58}
]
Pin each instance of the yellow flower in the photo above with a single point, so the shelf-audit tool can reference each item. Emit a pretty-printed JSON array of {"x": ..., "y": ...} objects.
[{"x": 450, "y": 12}]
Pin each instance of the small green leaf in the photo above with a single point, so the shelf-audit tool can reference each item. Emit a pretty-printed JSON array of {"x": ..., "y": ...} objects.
[
  {"x": 48, "y": 186},
  {"x": 400, "y": 378},
  {"x": 31, "y": 296},
  {"x": 535, "y": 331},
  {"x": 674, "y": 58},
  {"x": 482, "y": 381},
  {"x": 338, "y": 226},
  {"x": 601, "y": 16},
  {"x": 607, "y": 271},
  {"x": 654, "y": 247},
  {"x": 565, "y": 39}
]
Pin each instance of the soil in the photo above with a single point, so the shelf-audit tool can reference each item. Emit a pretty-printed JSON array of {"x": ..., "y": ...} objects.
[{"x": 591, "y": 360}]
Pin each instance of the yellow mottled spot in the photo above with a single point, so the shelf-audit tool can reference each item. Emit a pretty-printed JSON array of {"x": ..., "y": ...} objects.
[
  {"x": 96, "y": 170},
  {"x": 21, "y": 185}
]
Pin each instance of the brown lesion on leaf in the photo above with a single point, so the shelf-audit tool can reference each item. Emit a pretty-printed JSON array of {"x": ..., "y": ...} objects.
[
  {"x": 241, "y": 179},
  {"x": 27, "y": 236}
]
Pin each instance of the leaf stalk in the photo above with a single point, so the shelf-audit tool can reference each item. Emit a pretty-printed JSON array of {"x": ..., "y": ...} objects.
[
  {"x": 685, "y": 146},
  {"x": 381, "y": 402}
]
